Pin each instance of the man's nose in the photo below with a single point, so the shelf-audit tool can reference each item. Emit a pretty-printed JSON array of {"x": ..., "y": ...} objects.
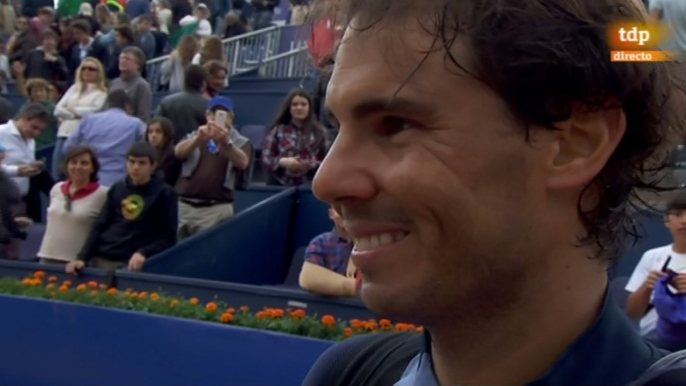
[{"x": 347, "y": 172}]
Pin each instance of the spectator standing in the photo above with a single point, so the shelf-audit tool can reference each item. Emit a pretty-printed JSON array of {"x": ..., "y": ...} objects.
[
  {"x": 136, "y": 8},
  {"x": 86, "y": 14},
  {"x": 45, "y": 62},
  {"x": 160, "y": 134},
  {"x": 164, "y": 16},
  {"x": 145, "y": 36},
  {"x": 86, "y": 46},
  {"x": 124, "y": 37},
  {"x": 188, "y": 108},
  {"x": 203, "y": 29},
  {"x": 263, "y": 13},
  {"x": 216, "y": 80},
  {"x": 110, "y": 133},
  {"x": 31, "y": 8},
  {"x": 8, "y": 18},
  {"x": 173, "y": 69},
  {"x": 131, "y": 61},
  {"x": 104, "y": 18},
  {"x": 233, "y": 25},
  {"x": 138, "y": 221},
  {"x": 11, "y": 233},
  {"x": 37, "y": 91},
  {"x": 296, "y": 144},
  {"x": 211, "y": 171},
  {"x": 212, "y": 49},
  {"x": 22, "y": 41},
  {"x": 74, "y": 206},
  {"x": 86, "y": 96}
]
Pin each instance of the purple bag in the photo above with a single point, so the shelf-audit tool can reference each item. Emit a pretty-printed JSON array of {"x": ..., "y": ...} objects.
[{"x": 671, "y": 311}]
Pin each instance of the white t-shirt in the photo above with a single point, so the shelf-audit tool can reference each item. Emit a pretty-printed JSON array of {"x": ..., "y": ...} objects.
[{"x": 654, "y": 260}]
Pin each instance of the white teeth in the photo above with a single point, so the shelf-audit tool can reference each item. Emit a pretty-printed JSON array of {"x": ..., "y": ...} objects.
[{"x": 376, "y": 241}]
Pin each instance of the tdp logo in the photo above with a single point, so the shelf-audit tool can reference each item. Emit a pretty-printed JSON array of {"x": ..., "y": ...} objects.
[{"x": 634, "y": 35}]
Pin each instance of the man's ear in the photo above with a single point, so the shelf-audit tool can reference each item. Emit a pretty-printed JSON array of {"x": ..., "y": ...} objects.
[{"x": 583, "y": 144}]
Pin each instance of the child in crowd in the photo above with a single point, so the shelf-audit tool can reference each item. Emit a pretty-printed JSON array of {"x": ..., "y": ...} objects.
[{"x": 160, "y": 134}]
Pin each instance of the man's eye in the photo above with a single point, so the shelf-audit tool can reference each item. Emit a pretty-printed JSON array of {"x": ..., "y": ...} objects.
[{"x": 393, "y": 125}]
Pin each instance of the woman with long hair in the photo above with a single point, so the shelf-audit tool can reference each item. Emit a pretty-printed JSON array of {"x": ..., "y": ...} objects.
[
  {"x": 86, "y": 95},
  {"x": 212, "y": 49},
  {"x": 296, "y": 144},
  {"x": 160, "y": 134},
  {"x": 74, "y": 206},
  {"x": 104, "y": 17},
  {"x": 174, "y": 69}
]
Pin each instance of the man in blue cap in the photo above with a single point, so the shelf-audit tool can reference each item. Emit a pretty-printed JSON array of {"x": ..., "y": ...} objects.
[{"x": 215, "y": 161}]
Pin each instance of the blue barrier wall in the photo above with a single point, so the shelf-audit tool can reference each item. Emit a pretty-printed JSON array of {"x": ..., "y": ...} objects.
[
  {"x": 247, "y": 249},
  {"x": 312, "y": 219},
  {"x": 55, "y": 344}
]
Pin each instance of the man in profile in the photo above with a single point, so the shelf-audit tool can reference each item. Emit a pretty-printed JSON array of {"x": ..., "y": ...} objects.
[{"x": 486, "y": 168}]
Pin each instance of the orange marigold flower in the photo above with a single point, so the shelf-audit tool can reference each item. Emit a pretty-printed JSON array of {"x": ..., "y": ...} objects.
[
  {"x": 155, "y": 296},
  {"x": 276, "y": 313},
  {"x": 134, "y": 295},
  {"x": 348, "y": 332},
  {"x": 112, "y": 291},
  {"x": 262, "y": 314},
  {"x": 173, "y": 303},
  {"x": 211, "y": 306},
  {"x": 103, "y": 286},
  {"x": 53, "y": 295},
  {"x": 226, "y": 317},
  {"x": 39, "y": 275},
  {"x": 194, "y": 301},
  {"x": 93, "y": 284},
  {"x": 298, "y": 314},
  {"x": 66, "y": 283},
  {"x": 230, "y": 310},
  {"x": 64, "y": 288},
  {"x": 81, "y": 287},
  {"x": 94, "y": 293},
  {"x": 245, "y": 309},
  {"x": 420, "y": 329},
  {"x": 27, "y": 281},
  {"x": 52, "y": 279},
  {"x": 385, "y": 324},
  {"x": 356, "y": 323},
  {"x": 328, "y": 321},
  {"x": 50, "y": 286},
  {"x": 400, "y": 327},
  {"x": 143, "y": 295},
  {"x": 129, "y": 290}
]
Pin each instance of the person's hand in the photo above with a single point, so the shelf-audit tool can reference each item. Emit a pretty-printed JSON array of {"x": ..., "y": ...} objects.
[
  {"x": 220, "y": 135},
  {"x": 351, "y": 271},
  {"x": 23, "y": 222},
  {"x": 28, "y": 171},
  {"x": 290, "y": 163},
  {"x": 50, "y": 57},
  {"x": 18, "y": 67},
  {"x": 652, "y": 279},
  {"x": 679, "y": 282},
  {"x": 73, "y": 267},
  {"x": 136, "y": 262},
  {"x": 203, "y": 134}
]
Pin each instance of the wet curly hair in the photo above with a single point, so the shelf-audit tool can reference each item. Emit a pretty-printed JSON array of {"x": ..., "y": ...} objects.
[{"x": 541, "y": 56}]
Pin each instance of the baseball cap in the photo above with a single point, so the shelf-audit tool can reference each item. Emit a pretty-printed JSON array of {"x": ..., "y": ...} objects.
[{"x": 220, "y": 101}]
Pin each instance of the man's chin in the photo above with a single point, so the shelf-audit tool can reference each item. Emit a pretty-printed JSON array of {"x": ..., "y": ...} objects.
[{"x": 390, "y": 303}]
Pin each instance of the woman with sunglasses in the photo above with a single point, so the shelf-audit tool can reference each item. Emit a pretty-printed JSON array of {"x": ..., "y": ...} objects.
[
  {"x": 74, "y": 206},
  {"x": 86, "y": 95}
]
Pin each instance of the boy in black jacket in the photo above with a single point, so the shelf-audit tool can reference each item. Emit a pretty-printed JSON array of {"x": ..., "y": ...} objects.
[{"x": 139, "y": 219}]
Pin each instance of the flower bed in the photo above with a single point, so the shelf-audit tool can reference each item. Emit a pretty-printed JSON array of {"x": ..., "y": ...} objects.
[{"x": 290, "y": 321}]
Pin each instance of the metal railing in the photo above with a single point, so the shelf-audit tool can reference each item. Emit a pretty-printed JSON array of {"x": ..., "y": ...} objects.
[
  {"x": 243, "y": 52},
  {"x": 296, "y": 63}
]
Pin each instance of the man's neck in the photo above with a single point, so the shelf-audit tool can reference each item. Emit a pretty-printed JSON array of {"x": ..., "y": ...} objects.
[
  {"x": 130, "y": 75},
  {"x": 141, "y": 182},
  {"x": 522, "y": 344}
]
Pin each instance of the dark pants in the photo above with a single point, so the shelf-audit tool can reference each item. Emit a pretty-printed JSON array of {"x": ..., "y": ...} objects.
[{"x": 41, "y": 183}]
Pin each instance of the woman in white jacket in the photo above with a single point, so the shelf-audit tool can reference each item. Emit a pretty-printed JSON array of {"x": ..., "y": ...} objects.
[{"x": 85, "y": 96}]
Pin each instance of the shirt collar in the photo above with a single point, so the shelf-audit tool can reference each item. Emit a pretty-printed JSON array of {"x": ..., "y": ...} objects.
[
  {"x": 610, "y": 352},
  {"x": 14, "y": 129}
]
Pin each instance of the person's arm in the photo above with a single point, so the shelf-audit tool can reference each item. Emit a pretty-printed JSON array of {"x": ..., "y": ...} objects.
[
  {"x": 61, "y": 111},
  {"x": 10, "y": 170},
  {"x": 75, "y": 137},
  {"x": 322, "y": 281},
  {"x": 107, "y": 214},
  {"x": 270, "y": 150},
  {"x": 204, "y": 29},
  {"x": 144, "y": 106},
  {"x": 166, "y": 67},
  {"x": 184, "y": 149},
  {"x": 140, "y": 132},
  {"x": 639, "y": 297},
  {"x": 239, "y": 156},
  {"x": 99, "y": 100},
  {"x": 167, "y": 227}
]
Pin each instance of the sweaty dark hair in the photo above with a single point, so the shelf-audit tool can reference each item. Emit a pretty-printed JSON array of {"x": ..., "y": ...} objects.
[
  {"x": 542, "y": 56},
  {"x": 118, "y": 99},
  {"x": 126, "y": 32},
  {"x": 194, "y": 78},
  {"x": 36, "y": 111},
  {"x": 143, "y": 149},
  {"x": 81, "y": 25}
]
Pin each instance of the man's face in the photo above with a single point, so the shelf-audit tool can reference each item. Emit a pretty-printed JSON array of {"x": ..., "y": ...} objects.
[
  {"x": 676, "y": 223},
  {"x": 127, "y": 62},
  {"x": 79, "y": 35},
  {"x": 144, "y": 26},
  {"x": 45, "y": 19},
  {"x": 22, "y": 24},
  {"x": 140, "y": 169},
  {"x": 217, "y": 80},
  {"x": 443, "y": 179},
  {"x": 31, "y": 128},
  {"x": 50, "y": 44}
]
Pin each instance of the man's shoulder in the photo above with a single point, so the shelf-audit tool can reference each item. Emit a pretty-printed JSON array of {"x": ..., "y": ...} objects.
[
  {"x": 370, "y": 360},
  {"x": 668, "y": 371}
]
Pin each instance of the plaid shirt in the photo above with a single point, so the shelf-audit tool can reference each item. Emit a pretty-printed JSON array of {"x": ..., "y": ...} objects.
[
  {"x": 289, "y": 141},
  {"x": 330, "y": 251}
]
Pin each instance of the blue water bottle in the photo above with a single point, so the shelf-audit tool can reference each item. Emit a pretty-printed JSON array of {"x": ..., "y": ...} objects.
[{"x": 212, "y": 147}]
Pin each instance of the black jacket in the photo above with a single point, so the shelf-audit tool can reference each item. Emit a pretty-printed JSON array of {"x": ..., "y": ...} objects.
[
  {"x": 9, "y": 199},
  {"x": 134, "y": 219}
]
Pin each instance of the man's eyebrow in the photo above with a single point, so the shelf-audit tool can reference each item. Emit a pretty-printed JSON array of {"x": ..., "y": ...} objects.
[{"x": 396, "y": 105}]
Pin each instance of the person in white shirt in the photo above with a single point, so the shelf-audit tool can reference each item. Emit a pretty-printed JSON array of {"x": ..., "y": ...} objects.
[
  {"x": 18, "y": 138},
  {"x": 75, "y": 204},
  {"x": 200, "y": 15},
  {"x": 654, "y": 264}
]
